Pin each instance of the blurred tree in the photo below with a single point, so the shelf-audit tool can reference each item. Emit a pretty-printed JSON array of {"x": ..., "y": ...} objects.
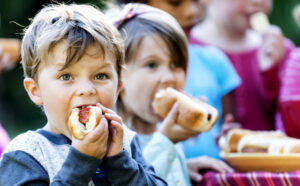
[{"x": 281, "y": 15}]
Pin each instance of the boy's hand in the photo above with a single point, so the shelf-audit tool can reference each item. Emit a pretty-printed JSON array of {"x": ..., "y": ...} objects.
[
  {"x": 272, "y": 49},
  {"x": 95, "y": 142},
  {"x": 115, "y": 130},
  {"x": 195, "y": 165},
  {"x": 172, "y": 130}
]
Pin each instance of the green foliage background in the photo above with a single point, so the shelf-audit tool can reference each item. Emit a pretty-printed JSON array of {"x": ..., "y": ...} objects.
[{"x": 18, "y": 113}]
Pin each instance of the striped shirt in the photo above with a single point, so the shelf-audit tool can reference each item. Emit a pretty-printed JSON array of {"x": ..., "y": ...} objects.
[{"x": 290, "y": 88}]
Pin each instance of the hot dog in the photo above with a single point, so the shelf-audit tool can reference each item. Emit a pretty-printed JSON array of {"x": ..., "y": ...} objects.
[
  {"x": 195, "y": 115},
  {"x": 84, "y": 120}
]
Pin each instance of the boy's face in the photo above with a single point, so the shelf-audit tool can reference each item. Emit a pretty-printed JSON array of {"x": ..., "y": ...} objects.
[
  {"x": 90, "y": 80},
  {"x": 187, "y": 12},
  {"x": 149, "y": 70}
]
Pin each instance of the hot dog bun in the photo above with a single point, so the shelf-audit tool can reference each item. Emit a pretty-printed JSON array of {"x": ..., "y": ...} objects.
[
  {"x": 79, "y": 129},
  {"x": 235, "y": 135},
  {"x": 195, "y": 115}
]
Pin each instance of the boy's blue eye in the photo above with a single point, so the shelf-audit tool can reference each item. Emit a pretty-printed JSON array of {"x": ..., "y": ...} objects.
[
  {"x": 65, "y": 77},
  {"x": 101, "y": 76}
]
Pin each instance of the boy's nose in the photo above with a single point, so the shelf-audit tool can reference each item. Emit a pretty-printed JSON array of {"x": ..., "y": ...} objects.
[{"x": 86, "y": 88}]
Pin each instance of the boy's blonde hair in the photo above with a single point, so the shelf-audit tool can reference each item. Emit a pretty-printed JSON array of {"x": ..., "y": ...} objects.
[{"x": 79, "y": 25}]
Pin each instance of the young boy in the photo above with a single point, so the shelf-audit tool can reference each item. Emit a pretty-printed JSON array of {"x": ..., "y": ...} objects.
[{"x": 72, "y": 58}]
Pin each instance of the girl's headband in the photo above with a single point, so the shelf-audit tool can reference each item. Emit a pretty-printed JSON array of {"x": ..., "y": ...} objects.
[{"x": 132, "y": 10}]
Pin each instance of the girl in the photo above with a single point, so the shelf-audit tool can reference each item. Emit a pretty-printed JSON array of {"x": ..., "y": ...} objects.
[
  {"x": 257, "y": 58},
  {"x": 156, "y": 58},
  {"x": 210, "y": 75}
]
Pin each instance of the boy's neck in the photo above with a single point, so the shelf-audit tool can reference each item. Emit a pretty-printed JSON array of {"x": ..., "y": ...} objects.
[{"x": 142, "y": 126}]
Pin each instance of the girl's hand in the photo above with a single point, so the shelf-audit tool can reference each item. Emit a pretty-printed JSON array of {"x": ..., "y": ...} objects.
[
  {"x": 272, "y": 49},
  {"x": 195, "y": 165},
  {"x": 172, "y": 130},
  {"x": 95, "y": 142},
  {"x": 115, "y": 131}
]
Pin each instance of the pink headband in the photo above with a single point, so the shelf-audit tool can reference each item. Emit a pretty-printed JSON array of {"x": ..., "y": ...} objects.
[{"x": 132, "y": 10}]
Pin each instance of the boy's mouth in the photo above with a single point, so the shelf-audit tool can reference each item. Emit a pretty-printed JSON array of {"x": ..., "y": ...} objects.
[{"x": 85, "y": 106}]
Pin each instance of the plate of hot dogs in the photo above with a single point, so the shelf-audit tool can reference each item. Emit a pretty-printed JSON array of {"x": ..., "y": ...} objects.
[{"x": 247, "y": 150}]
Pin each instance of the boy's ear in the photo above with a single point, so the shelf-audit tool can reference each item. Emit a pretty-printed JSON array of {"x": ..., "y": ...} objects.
[{"x": 33, "y": 91}]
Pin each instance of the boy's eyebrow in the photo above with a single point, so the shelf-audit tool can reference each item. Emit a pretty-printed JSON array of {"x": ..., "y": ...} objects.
[{"x": 106, "y": 64}]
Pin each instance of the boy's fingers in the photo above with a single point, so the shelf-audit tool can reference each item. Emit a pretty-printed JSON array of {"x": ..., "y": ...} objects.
[
  {"x": 101, "y": 130},
  {"x": 113, "y": 117},
  {"x": 107, "y": 110},
  {"x": 117, "y": 127}
]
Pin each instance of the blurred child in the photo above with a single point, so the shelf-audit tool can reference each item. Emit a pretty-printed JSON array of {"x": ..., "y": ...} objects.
[
  {"x": 156, "y": 58},
  {"x": 72, "y": 58},
  {"x": 289, "y": 99},
  {"x": 257, "y": 58},
  {"x": 210, "y": 75}
]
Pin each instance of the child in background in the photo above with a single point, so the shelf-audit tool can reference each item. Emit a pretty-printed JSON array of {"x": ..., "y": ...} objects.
[
  {"x": 210, "y": 75},
  {"x": 257, "y": 58},
  {"x": 72, "y": 57},
  {"x": 148, "y": 71},
  {"x": 289, "y": 98}
]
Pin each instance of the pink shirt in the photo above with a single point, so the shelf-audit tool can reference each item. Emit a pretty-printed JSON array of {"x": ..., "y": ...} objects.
[
  {"x": 255, "y": 99},
  {"x": 289, "y": 100},
  {"x": 290, "y": 88},
  {"x": 4, "y": 139}
]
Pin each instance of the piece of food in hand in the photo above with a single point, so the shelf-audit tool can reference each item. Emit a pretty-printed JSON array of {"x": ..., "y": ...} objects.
[
  {"x": 195, "y": 115},
  {"x": 259, "y": 21},
  {"x": 84, "y": 120},
  {"x": 10, "y": 49}
]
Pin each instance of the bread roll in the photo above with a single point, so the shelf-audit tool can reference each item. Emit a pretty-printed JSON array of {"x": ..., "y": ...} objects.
[
  {"x": 235, "y": 135},
  {"x": 259, "y": 21},
  {"x": 195, "y": 115},
  {"x": 84, "y": 120},
  {"x": 10, "y": 47},
  {"x": 253, "y": 143},
  {"x": 292, "y": 146}
]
